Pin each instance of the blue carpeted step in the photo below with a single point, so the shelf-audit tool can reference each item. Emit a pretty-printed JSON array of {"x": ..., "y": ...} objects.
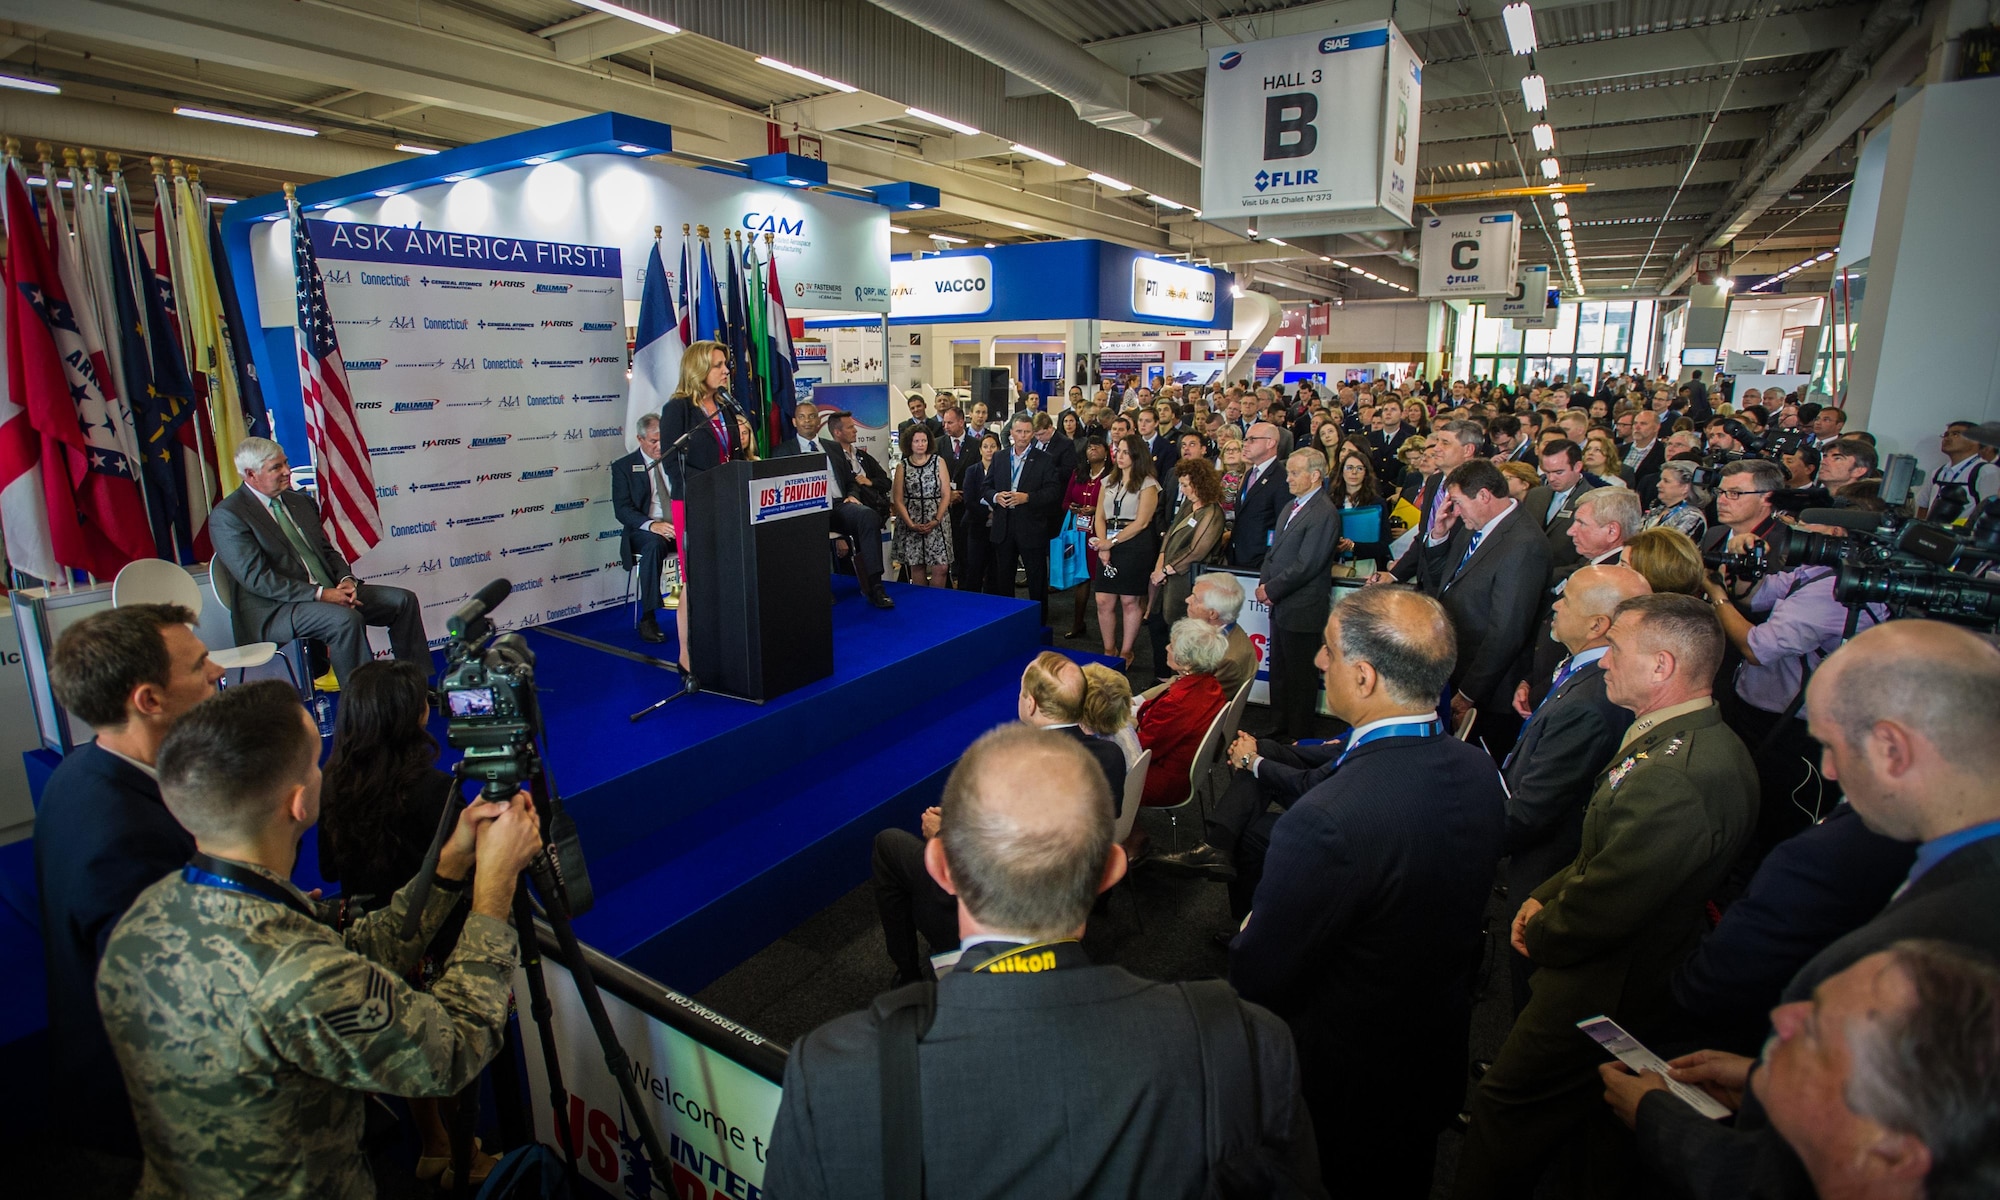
[{"x": 729, "y": 880}]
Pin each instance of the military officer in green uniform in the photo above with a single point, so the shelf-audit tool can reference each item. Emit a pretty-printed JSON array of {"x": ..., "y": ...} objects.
[
  {"x": 248, "y": 1030},
  {"x": 1670, "y": 813}
]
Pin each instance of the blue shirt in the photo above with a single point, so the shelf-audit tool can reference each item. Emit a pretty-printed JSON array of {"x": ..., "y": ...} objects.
[{"x": 1935, "y": 851}]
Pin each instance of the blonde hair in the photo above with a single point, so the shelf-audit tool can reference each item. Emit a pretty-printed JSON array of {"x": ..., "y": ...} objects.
[
  {"x": 1042, "y": 681},
  {"x": 1107, "y": 699},
  {"x": 695, "y": 363},
  {"x": 1668, "y": 558}
]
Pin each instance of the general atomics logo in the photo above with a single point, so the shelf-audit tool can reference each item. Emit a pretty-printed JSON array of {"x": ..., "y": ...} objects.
[
  {"x": 413, "y": 530},
  {"x": 498, "y": 439},
  {"x": 1231, "y": 60},
  {"x": 380, "y": 451},
  {"x": 414, "y": 406}
]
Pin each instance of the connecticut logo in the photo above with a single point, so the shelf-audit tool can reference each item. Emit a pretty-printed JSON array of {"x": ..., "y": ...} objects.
[{"x": 413, "y": 530}]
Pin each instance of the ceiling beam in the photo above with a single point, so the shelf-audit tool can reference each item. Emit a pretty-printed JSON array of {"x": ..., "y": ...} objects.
[
  {"x": 69, "y": 121},
  {"x": 1612, "y": 139},
  {"x": 1642, "y": 54},
  {"x": 1694, "y": 99},
  {"x": 602, "y": 39}
]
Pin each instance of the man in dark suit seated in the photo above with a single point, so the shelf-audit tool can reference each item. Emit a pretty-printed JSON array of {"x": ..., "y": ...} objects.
[
  {"x": 1567, "y": 740},
  {"x": 639, "y": 500},
  {"x": 1029, "y": 1070},
  {"x": 1262, "y": 496},
  {"x": 1365, "y": 932},
  {"x": 860, "y": 495},
  {"x": 1025, "y": 499},
  {"x": 1908, "y": 714},
  {"x": 103, "y": 835},
  {"x": 907, "y": 899},
  {"x": 291, "y": 582},
  {"x": 1296, "y": 583},
  {"x": 1663, "y": 827}
]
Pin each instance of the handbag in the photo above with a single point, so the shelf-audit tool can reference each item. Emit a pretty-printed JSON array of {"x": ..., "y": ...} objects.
[{"x": 1069, "y": 558}]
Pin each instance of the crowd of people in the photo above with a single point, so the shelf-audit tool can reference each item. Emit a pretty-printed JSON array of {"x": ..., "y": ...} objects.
[{"x": 1757, "y": 829}]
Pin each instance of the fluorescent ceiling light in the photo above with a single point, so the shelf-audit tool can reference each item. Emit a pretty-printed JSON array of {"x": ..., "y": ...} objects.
[
  {"x": 1551, "y": 168},
  {"x": 202, "y": 114},
  {"x": 1336, "y": 262},
  {"x": 637, "y": 18},
  {"x": 1520, "y": 22},
  {"x": 1545, "y": 137},
  {"x": 1326, "y": 258},
  {"x": 802, "y": 73},
  {"x": 386, "y": 192},
  {"x": 942, "y": 122},
  {"x": 1823, "y": 257},
  {"x": 456, "y": 178},
  {"x": 991, "y": 245},
  {"x": 913, "y": 204},
  {"x": 1163, "y": 202},
  {"x": 945, "y": 237},
  {"x": 1562, "y": 208},
  {"x": 1031, "y": 152},
  {"x": 407, "y": 148},
  {"x": 1535, "y": 92},
  {"x": 635, "y": 149},
  {"x": 1563, "y": 223},
  {"x": 1107, "y": 181},
  {"x": 1277, "y": 242},
  {"x": 897, "y": 229},
  {"x": 536, "y": 161},
  {"x": 218, "y": 201},
  {"x": 29, "y": 85}
]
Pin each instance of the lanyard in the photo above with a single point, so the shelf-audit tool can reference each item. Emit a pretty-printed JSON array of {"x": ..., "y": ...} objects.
[
  {"x": 206, "y": 871},
  {"x": 1381, "y": 732},
  {"x": 1033, "y": 958}
]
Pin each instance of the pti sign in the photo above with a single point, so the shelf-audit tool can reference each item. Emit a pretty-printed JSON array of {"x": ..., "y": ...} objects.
[{"x": 1172, "y": 291}]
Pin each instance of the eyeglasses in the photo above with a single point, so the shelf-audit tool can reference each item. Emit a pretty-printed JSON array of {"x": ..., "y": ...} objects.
[{"x": 1739, "y": 493}]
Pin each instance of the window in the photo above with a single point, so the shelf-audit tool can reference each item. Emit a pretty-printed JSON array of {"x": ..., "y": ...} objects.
[{"x": 1620, "y": 331}]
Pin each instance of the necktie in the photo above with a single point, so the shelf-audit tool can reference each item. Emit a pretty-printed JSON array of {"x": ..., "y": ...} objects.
[
  {"x": 658, "y": 478},
  {"x": 1020, "y": 460},
  {"x": 314, "y": 567},
  {"x": 1555, "y": 506},
  {"x": 1470, "y": 546}
]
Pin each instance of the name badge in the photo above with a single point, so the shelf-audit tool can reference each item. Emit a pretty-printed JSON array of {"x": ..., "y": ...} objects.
[
  {"x": 1193, "y": 521},
  {"x": 638, "y": 468}
]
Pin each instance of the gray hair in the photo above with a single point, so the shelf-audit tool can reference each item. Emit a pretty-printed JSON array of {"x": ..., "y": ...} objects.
[
  {"x": 648, "y": 422},
  {"x": 1928, "y": 1070},
  {"x": 1698, "y": 495},
  {"x": 1769, "y": 476},
  {"x": 1468, "y": 433},
  {"x": 1222, "y": 593},
  {"x": 1198, "y": 646},
  {"x": 1028, "y": 418},
  {"x": 1684, "y": 626},
  {"x": 1404, "y": 635},
  {"x": 1311, "y": 457},
  {"x": 1027, "y": 830},
  {"x": 1614, "y": 506},
  {"x": 253, "y": 452}
]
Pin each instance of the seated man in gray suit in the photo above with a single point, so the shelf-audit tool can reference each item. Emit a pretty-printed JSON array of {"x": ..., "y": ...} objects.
[
  {"x": 1013, "y": 1073},
  {"x": 291, "y": 582}
]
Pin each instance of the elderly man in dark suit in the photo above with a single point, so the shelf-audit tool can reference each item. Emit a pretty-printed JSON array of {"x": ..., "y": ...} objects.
[
  {"x": 1365, "y": 931},
  {"x": 860, "y": 492},
  {"x": 1296, "y": 582},
  {"x": 1025, "y": 499},
  {"x": 1909, "y": 715},
  {"x": 1567, "y": 740},
  {"x": 291, "y": 582},
  {"x": 639, "y": 500},
  {"x": 1664, "y": 825},
  {"x": 1489, "y": 565},
  {"x": 947, "y": 1089},
  {"x": 1263, "y": 494},
  {"x": 103, "y": 835}
]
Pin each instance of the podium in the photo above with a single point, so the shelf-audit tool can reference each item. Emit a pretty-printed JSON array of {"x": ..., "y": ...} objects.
[{"x": 761, "y": 618}]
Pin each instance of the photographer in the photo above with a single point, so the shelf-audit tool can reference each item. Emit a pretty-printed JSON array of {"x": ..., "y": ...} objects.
[
  {"x": 1743, "y": 502},
  {"x": 1802, "y": 624},
  {"x": 248, "y": 1030},
  {"x": 1844, "y": 461}
]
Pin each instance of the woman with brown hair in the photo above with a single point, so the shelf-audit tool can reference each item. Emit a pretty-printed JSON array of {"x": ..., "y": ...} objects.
[
  {"x": 696, "y": 406},
  {"x": 1192, "y": 537}
]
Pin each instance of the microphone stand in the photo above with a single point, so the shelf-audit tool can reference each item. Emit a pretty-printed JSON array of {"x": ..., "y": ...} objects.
[{"x": 689, "y": 684}]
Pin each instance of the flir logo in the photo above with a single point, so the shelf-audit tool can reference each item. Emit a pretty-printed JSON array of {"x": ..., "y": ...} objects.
[{"x": 1285, "y": 179}]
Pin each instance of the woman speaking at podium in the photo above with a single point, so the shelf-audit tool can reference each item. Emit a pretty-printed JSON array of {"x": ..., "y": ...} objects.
[{"x": 698, "y": 405}]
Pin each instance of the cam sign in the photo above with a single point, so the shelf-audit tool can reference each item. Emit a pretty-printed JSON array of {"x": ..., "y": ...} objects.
[
  {"x": 959, "y": 285},
  {"x": 1312, "y": 133},
  {"x": 1469, "y": 255}
]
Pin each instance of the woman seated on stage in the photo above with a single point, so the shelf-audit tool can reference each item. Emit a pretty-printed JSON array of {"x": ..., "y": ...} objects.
[{"x": 1172, "y": 723}]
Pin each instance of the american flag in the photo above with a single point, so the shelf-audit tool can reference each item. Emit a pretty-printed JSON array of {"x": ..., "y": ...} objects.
[{"x": 340, "y": 457}]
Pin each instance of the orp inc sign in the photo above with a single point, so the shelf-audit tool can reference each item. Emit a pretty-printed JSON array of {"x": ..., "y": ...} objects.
[{"x": 946, "y": 286}]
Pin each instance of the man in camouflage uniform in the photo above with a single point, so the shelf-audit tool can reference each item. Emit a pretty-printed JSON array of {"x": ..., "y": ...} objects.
[{"x": 247, "y": 1029}]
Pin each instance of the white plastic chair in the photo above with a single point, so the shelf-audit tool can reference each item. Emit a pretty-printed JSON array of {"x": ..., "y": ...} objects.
[
  {"x": 1204, "y": 757},
  {"x": 157, "y": 581},
  {"x": 1234, "y": 724},
  {"x": 1135, "y": 787}
]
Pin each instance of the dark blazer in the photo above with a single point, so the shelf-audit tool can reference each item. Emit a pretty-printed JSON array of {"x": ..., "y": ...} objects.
[
  {"x": 258, "y": 555},
  {"x": 1030, "y": 521},
  {"x": 1562, "y": 551},
  {"x": 933, "y": 424},
  {"x": 1550, "y": 774},
  {"x": 102, "y": 836},
  {"x": 1811, "y": 889},
  {"x": 973, "y": 486},
  {"x": 631, "y": 501},
  {"x": 1109, "y": 758},
  {"x": 1494, "y": 600},
  {"x": 1365, "y": 931},
  {"x": 1061, "y": 454},
  {"x": 703, "y": 452},
  {"x": 1297, "y": 574},
  {"x": 1650, "y": 465},
  {"x": 1166, "y": 451},
  {"x": 1384, "y": 445},
  {"x": 1257, "y": 511},
  {"x": 874, "y": 494},
  {"x": 1019, "y": 1098},
  {"x": 965, "y": 456},
  {"x": 1411, "y": 565}
]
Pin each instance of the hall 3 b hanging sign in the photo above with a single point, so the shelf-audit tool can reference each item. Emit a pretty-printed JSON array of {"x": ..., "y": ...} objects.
[
  {"x": 1312, "y": 133},
  {"x": 1469, "y": 255}
]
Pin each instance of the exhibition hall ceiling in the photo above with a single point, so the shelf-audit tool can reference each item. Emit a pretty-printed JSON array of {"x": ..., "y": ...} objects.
[{"x": 1693, "y": 123}]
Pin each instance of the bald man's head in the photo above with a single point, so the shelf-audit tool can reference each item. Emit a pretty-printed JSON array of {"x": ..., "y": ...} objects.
[
  {"x": 1582, "y": 614},
  {"x": 1026, "y": 832},
  {"x": 1940, "y": 682}
]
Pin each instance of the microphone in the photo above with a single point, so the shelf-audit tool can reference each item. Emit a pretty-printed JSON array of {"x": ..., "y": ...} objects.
[
  {"x": 1843, "y": 518},
  {"x": 722, "y": 397},
  {"x": 483, "y": 601}
]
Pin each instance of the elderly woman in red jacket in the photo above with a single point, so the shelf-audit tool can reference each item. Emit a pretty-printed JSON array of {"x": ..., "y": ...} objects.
[{"x": 1172, "y": 723}]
